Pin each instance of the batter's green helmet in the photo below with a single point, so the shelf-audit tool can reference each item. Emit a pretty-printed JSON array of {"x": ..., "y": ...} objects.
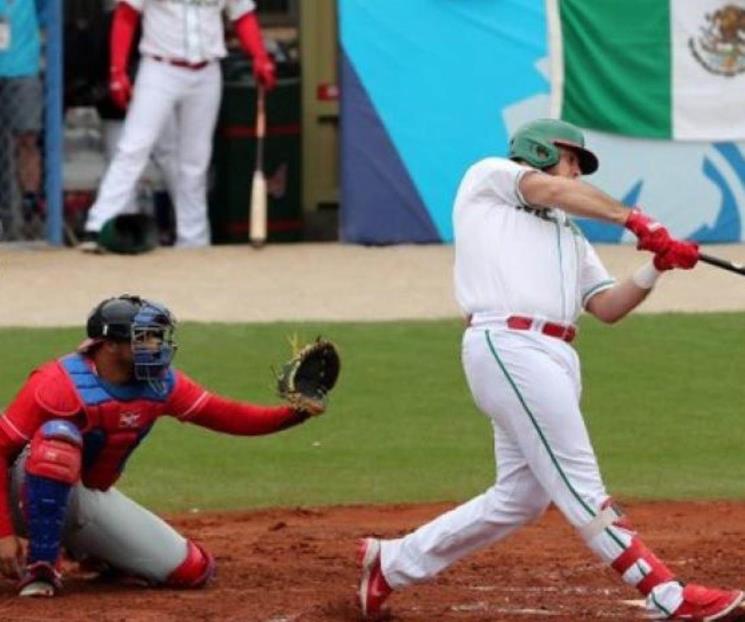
[{"x": 538, "y": 142}]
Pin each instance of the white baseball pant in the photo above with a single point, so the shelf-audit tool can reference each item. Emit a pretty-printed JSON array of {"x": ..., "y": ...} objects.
[
  {"x": 164, "y": 154},
  {"x": 528, "y": 384},
  {"x": 160, "y": 88}
]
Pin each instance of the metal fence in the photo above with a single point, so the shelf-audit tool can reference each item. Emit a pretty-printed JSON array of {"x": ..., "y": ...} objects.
[{"x": 31, "y": 137}]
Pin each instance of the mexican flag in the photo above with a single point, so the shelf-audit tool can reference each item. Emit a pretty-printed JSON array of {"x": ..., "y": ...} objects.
[{"x": 670, "y": 69}]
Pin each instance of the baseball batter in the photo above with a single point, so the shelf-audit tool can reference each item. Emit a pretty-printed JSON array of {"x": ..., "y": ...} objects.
[
  {"x": 67, "y": 435},
  {"x": 523, "y": 274},
  {"x": 182, "y": 42}
]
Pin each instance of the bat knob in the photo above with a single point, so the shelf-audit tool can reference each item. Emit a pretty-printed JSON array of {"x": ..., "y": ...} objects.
[{"x": 257, "y": 244}]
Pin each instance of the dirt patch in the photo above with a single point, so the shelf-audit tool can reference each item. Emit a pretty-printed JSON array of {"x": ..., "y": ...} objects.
[
  {"x": 42, "y": 286},
  {"x": 298, "y": 565}
]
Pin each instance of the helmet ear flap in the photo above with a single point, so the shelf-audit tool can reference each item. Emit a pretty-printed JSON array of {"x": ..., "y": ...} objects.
[
  {"x": 536, "y": 152},
  {"x": 545, "y": 154}
]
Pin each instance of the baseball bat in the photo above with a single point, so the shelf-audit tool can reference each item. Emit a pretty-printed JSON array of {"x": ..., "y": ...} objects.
[
  {"x": 725, "y": 264},
  {"x": 257, "y": 216}
]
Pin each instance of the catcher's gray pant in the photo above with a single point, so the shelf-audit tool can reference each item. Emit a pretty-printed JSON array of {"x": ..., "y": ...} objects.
[{"x": 110, "y": 527}]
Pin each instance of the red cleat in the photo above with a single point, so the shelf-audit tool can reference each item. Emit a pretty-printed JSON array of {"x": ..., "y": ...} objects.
[
  {"x": 702, "y": 604},
  {"x": 374, "y": 589}
]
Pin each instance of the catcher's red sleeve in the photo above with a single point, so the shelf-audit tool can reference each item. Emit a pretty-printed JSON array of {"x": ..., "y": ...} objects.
[
  {"x": 17, "y": 425},
  {"x": 191, "y": 402},
  {"x": 7, "y": 455}
]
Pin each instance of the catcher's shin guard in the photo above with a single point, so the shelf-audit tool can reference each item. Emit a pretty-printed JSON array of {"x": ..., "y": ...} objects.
[
  {"x": 52, "y": 468},
  {"x": 195, "y": 571}
]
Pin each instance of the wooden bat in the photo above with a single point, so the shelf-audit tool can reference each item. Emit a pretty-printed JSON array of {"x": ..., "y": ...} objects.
[
  {"x": 258, "y": 210},
  {"x": 725, "y": 264}
]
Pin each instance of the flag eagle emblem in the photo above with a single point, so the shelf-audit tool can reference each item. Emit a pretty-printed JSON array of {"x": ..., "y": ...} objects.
[{"x": 720, "y": 46}]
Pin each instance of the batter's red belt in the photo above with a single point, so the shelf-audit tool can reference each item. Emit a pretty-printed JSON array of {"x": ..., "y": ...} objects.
[
  {"x": 560, "y": 331},
  {"x": 178, "y": 62}
]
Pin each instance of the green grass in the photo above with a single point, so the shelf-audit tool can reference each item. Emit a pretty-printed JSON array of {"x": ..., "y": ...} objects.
[{"x": 663, "y": 400}]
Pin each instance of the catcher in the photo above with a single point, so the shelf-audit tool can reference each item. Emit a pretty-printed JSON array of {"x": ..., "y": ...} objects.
[{"x": 66, "y": 437}]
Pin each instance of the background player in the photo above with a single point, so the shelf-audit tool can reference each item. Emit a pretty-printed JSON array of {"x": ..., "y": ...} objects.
[
  {"x": 523, "y": 273},
  {"x": 66, "y": 438},
  {"x": 181, "y": 45},
  {"x": 21, "y": 97}
]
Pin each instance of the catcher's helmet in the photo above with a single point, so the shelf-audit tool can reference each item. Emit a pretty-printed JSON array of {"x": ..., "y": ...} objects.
[
  {"x": 538, "y": 142},
  {"x": 148, "y": 326}
]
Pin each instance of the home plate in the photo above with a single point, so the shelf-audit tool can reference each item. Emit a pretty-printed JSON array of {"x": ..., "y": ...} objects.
[{"x": 641, "y": 605}]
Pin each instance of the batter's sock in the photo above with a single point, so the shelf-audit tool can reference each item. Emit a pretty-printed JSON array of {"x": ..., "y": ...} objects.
[{"x": 641, "y": 568}]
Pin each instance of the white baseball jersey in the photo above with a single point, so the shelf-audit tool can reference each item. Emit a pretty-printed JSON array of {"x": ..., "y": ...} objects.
[
  {"x": 511, "y": 258},
  {"x": 190, "y": 30},
  {"x": 514, "y": 259}
]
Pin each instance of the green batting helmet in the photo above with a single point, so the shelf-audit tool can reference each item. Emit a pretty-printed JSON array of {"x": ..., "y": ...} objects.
[{"x": 538, "y": 142}]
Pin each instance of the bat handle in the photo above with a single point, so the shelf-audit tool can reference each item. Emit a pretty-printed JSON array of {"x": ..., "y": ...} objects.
[
  {"x": 260, "y": 126},
  {"x": 722, "y": 263}
]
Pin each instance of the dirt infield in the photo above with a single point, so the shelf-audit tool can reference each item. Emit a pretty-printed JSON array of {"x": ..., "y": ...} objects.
[
  {"x": 298, "y": 566},
  {"x": 57, "y": 287}
]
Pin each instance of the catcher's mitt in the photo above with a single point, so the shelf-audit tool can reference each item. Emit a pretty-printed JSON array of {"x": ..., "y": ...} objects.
[{"x": 305, "y": 380}]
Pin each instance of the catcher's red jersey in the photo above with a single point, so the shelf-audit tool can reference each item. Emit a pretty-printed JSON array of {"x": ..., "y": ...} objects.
[{"x": 113, "y": 419}]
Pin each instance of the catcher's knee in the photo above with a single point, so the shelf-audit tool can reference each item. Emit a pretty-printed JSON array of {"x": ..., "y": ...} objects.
[
  {"x": 195, "y": 571},
  {"x": 54, "y": 453}
]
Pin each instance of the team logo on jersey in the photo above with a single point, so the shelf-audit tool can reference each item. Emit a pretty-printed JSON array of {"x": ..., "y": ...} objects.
[
  {"x": 720, "y": 46},
  {"x": 129, "y": 420},
  {"x": 197, "y": 3}
]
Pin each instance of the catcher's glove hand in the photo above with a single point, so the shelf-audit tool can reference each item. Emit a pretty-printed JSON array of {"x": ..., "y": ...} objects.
[{"x": 305, "y": 380}]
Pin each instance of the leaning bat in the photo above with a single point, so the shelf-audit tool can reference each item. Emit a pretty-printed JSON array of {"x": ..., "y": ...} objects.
[
  {"x": 257, "y": 216},
  {"x": 725, "y": 264}
]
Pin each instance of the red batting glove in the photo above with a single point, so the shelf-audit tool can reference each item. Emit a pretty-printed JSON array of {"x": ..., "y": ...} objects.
[
  {"x": 651, "y": 235},
  {"x": 265, "y": 72},
  {"x": 120, "y": 88},
  {"x": 683, "y": 255}
]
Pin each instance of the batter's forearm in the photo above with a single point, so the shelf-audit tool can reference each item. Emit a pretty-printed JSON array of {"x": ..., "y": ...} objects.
[
  {"x": 589, "y": 202},
  {"x": 613, "y": 304},
  {"x": 574, "y": 197}
]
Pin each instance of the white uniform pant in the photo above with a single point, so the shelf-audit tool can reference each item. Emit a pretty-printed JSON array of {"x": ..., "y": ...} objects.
[
  {"x": 528, "y": 384},
  {"x": 109, "y": 527},
  {"x": 161, "y": 88},
  {"x": 164, "y": 154}
]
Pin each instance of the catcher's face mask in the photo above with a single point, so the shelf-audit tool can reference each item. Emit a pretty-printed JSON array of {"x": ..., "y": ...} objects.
[{"x": 153, "y": 344}]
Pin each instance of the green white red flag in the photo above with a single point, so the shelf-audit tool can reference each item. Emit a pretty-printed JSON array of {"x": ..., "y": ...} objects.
[{"x": 672, "y": 69}]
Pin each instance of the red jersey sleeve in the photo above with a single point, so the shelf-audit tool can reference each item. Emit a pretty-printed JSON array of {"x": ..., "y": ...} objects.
[
  {"x": 41, "y": 398},
  {"x": 192, "y": 403}
]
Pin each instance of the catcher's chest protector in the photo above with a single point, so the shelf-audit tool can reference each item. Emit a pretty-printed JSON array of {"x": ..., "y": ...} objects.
[{"x": 117, "y": 419}]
